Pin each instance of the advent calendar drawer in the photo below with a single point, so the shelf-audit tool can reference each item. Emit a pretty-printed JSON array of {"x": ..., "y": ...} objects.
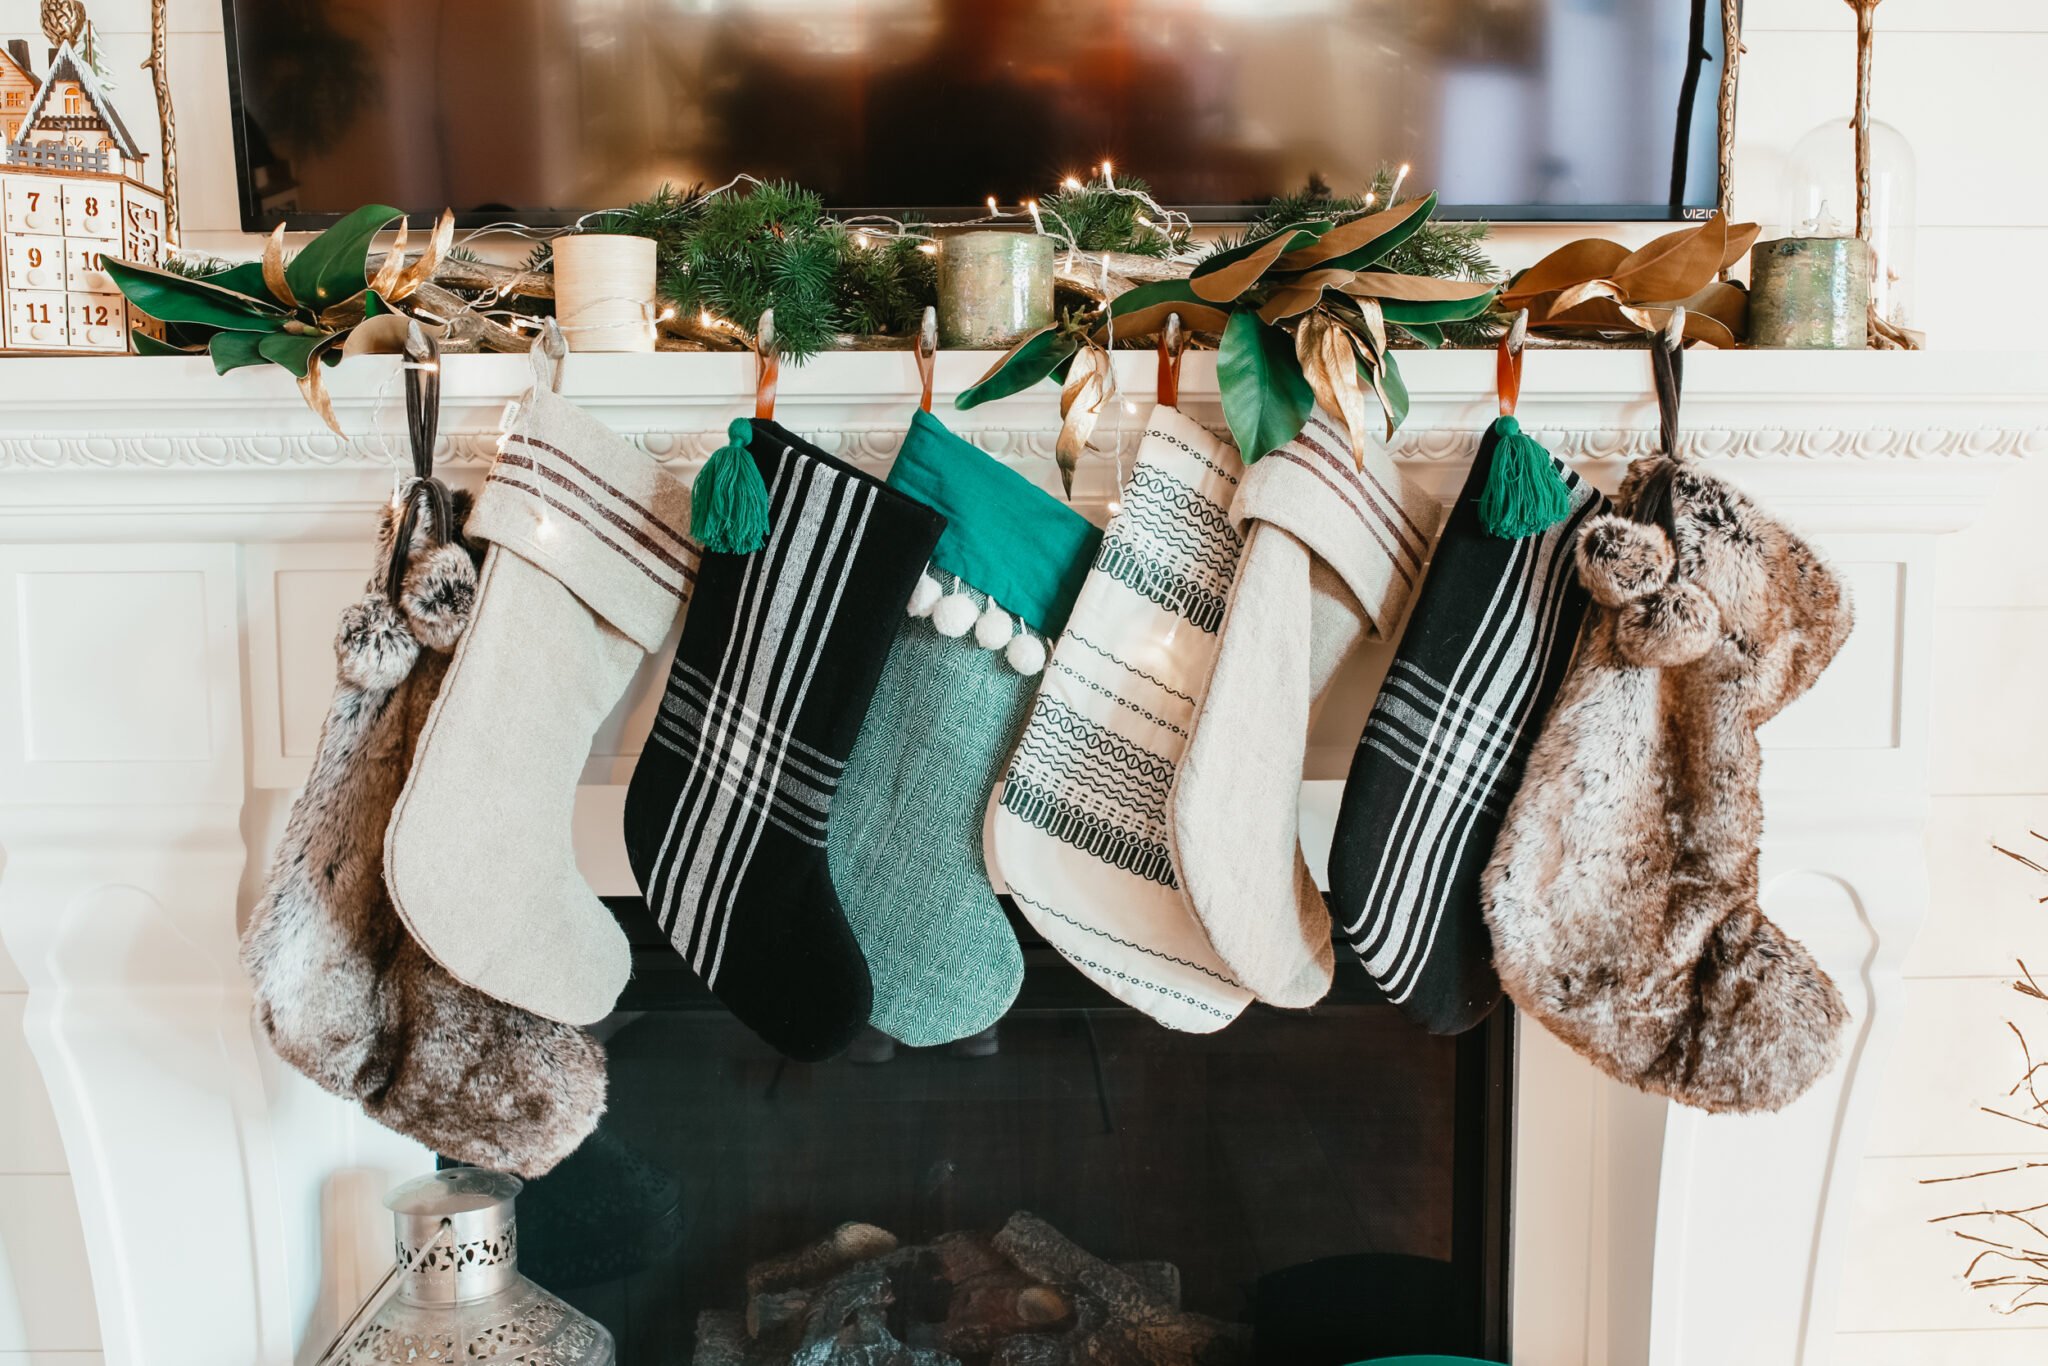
[
  {"x": 99, "y": 322},
  {"x": 33, "y": 204},
  {"x": 92, "y": 210},
  {"x": 142, "y": 231},
  {"x": 85, "y": 265},
  {"x": 37, "y": 318},
  {"x": 35, "y": 263}
]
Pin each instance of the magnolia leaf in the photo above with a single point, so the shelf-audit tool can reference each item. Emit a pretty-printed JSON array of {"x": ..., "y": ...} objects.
[
  {"x": 1265, "y": 398},
  {"x": 1374, "y": 321},
  {"x": 1568, "y": 299},
  {"x": 233, "y": 350},
  {"x": 245, "y": 278},
  {"x": 1589, "y": 258},
  {"x": 1421, "y": 289},
  {"x": 1081, "y": 400},
  {"x": 1142, "y": 311},
  {"x": 1297, "y": 296},
  {"x": 1362, "y": 241},
  {"x": 1606, "y": 317},
  {"x": 1391, "y": 388},
  {"x": 1329, "y": 362},
  {"x": 273, "y": 268},
  {"x": 333, "y": 266},
  {"x": 1227, "y": 274},
  {"x": 295, "y": 351},
  {"x": 146, "y": 345},
  {"x": 1022, "y": 366},
  {"x": 313, "y": 388},
  {"x": 1681, "y": 263},
  {"x": 172, "y": 298},
  {"x": 1429, "y": 334},
  {"x": 422, "y": 270},
  {"x": 393, "y": 263}
]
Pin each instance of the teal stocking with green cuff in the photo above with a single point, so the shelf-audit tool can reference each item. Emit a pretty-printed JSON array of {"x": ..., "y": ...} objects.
[{"x": 904, "y": 843}]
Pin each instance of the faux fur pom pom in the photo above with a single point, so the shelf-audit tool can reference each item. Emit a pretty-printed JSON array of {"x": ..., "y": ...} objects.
[
  {"x": 440, "y": 591},
  {"x": 1621, "y": 559},
  {"x": 374, "y": 649}
]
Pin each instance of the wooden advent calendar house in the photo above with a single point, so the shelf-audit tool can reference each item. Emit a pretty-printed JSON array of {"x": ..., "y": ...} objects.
[{"x": 71, "y": 195}]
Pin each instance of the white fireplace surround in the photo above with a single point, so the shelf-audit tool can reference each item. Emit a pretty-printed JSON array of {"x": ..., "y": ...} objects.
[{"x": 174, "y": 546}]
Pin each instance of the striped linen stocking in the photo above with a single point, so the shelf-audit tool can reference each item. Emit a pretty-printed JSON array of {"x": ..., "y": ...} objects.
[
  {"x": 726, "y": 813},
  {"x": 1475, "y": 675}
]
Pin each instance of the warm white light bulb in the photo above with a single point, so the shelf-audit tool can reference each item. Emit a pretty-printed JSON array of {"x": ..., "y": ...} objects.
[
  {"x": 1070, "y": 183},
  {"x": 991, "y": 204}
]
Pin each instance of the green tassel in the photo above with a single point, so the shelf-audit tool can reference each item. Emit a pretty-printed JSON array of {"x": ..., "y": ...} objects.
[
  {"x": 1525, "y": 491},
  {"x": 729, "y": 503}
]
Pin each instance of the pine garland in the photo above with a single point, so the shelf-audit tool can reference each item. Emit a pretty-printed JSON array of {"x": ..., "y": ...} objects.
[{"x": 1099, "y": 218}]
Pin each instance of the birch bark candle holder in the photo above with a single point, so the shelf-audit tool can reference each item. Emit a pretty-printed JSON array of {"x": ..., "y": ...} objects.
[{"x": 604, "y": 291}]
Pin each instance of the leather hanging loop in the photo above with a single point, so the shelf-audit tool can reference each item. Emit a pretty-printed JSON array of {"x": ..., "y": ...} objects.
[
  {"x": 767, "y": 367},
  {"x": 1508, "y": 366},
  {"x": 927, "y": 356},
  {"x": 1173, "y": 343},
  {"x": 422, "y": 397},
  {"x": 1667, "y": 364}
]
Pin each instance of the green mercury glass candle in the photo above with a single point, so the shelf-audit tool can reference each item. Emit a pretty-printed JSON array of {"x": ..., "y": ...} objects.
[
  {"x": 1810, "y": 293},
  {"x": 994, "y": 288}
]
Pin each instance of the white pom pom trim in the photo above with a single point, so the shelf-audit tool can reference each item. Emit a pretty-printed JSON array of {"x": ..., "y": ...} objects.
[
  {"x": 1026, "y": 653},
  {"x": 993, "y": 630},
  {"x": 955, "y": 615},
  {"x": 925, "y": 596}
]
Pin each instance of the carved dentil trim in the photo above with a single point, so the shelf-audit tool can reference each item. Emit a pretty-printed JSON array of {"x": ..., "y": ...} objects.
[{"x": 875, "y": 447}]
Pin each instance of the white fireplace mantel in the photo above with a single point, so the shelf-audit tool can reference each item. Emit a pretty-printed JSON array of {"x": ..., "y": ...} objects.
[{"x": 173, "y": 547}]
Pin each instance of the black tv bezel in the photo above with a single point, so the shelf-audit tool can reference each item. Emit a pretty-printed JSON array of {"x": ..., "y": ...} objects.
[{"x": 256, "y": 219}]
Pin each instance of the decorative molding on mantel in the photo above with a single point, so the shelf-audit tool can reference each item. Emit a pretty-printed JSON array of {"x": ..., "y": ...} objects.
[{"x": 106, "y": 413}]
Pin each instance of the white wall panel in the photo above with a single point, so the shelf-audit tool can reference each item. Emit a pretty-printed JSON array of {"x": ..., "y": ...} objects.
[
  {"x": 45, "y": 1297},
  {"x": 1990, "y": 735}
]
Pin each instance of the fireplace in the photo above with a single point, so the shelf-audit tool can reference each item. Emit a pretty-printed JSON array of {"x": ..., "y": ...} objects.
[
  {"x": 178, "y": 546},
  {"x": 1311, "y": 1188}
]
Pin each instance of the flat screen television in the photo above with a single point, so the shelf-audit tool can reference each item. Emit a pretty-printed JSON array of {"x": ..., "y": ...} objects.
[{"x": 540, "y": 110}]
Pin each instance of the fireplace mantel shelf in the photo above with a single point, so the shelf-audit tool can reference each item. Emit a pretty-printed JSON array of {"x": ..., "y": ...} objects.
[{"x": 174, "y": 547}]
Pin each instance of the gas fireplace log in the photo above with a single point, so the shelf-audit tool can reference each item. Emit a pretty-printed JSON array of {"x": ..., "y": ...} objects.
[
  {"x": 1141, "y": 1326},
  {"x": 845, "y": 1246},
  {"x": 721, "y": 1339},
  {"x": 1161, "y": 1280}
]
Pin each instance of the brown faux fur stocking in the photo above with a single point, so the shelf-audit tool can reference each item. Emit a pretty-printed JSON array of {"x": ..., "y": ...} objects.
[
  {"x": 344, "y": 993},
  {"x": 1622, "y": 894}
]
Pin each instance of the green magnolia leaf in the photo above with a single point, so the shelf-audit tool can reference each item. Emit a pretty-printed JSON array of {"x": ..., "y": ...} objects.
[
  {"x": 1359, "y": 243},
  {"x": 173, "y": 298},
  {"x": 1142, "y": 311},
  {"x": 146, "y": 345},
  {"x": 246, "y": 278},
  {"x": 1429, "y": 334},
  {"x": 331, "y": 267},
  {"x": 1386, "y": 381},
  {"x": 295, "y": 350},
  {"x": 1222, "y": 277},
  {"x": 233, "y": 350},
  {"x": 1026, "y": 363},
  {"x": 1426, "y": 311},
  {"x": 1266, "y": 399}
]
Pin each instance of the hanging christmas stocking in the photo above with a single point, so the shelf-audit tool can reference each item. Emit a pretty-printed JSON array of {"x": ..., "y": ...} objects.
[
  {"x": 586, "y": 571},
  {"x": 726, "y": 816},
  {"x": 342, "y": 991},
  {"x": 1332, "y": 550},
  {"x": 1622, "y": 894},
  {"x": 1081, "y": 833},
  {"x": 1463, "y": 701},
  {"x": 905, "y": 837}
]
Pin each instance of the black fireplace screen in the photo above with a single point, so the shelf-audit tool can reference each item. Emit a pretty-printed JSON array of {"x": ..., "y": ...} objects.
[{"x": 1079, "y": 1184}]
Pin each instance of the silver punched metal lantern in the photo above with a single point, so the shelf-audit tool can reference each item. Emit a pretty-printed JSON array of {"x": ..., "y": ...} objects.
[{"x": 460, "y": 1297}]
